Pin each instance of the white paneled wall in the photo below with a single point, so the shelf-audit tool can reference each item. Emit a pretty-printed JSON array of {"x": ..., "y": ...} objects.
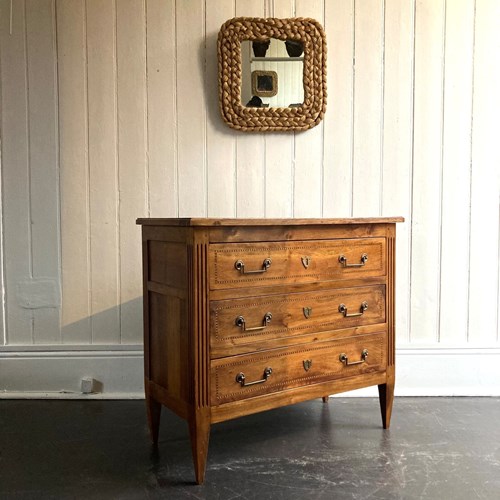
[{"x": 109, "y": 112}]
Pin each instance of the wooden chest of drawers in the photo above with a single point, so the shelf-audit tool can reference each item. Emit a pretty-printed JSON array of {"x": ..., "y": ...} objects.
[{"x": 241, "y": 316}]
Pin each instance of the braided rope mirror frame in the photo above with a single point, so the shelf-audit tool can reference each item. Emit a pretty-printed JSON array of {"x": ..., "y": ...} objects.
[{"x": 311, "y": 34}]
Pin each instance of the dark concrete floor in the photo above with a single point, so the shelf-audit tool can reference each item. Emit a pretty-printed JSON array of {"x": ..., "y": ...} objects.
[{"x": 437, "y": 448}]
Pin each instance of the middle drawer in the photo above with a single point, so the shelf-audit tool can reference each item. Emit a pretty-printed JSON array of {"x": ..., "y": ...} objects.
[{"x": 251, "y": 319}]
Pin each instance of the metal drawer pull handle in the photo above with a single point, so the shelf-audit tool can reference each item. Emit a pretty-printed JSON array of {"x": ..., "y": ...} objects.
[
  {"x": 240, "y": 321},
  {"x": 343, "y": 261},
  {"x": 240, "y": 266},
  {"x": 344, "y": 359},
  {"x": 362, "y": 308},
  {"x": 240, "y": 378}
]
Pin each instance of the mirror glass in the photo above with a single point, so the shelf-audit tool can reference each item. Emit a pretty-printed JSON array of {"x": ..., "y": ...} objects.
[{"x": 271, "y": 73}]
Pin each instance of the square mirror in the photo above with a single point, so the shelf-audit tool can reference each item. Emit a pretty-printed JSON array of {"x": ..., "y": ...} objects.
[{"x": 272, "y": 73}]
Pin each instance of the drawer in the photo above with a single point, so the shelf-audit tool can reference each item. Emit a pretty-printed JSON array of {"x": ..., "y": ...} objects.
[
  {"x": 260, "y": 264},
  {"x": 242, "y": 321},
  {"x": 256, "y": 374}
]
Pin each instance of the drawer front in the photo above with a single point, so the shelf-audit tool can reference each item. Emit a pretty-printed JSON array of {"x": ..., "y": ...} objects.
[
  {"x": 242, "y": 321},
  {"x": 260, "y": 264},
  {"x": 243, "y": 377}
]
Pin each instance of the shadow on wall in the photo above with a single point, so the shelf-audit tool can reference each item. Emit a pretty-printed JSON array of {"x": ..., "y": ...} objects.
[
  {"x": 119, "y": 325},
  {"x": 99, "y": 356}
]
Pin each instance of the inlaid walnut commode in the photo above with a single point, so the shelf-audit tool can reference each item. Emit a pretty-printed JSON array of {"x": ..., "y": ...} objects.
[{"x": 246, "y": 315}]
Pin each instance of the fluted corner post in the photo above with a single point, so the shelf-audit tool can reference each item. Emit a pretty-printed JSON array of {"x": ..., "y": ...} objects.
[
  {"x": 386, "y": 391},
  {"x": 199, "y": 418}
]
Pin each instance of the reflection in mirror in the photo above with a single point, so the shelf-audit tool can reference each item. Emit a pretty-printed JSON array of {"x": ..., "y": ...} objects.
[
  {"x": 264, "y": 82},
  {"x": 272, "y": 71}
]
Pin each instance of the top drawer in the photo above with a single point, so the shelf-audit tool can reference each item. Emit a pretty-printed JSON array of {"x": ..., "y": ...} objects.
[{"x": 260, "y": 264}]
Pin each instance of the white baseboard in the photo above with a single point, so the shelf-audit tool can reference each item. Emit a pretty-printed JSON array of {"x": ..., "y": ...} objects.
[
  {"x": 438, "y": 371},
  {"x": 57, "y": 374}
]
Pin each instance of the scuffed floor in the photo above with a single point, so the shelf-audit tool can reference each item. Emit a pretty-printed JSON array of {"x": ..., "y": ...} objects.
[{"x": 437, "y": 448}]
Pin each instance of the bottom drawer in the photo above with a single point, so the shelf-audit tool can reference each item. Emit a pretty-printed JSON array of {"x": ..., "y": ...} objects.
[{"x": 250, "y": 375}]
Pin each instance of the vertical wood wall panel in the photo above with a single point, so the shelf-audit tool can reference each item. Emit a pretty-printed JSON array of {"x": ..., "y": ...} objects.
[
  {"x": 122, "y": 99},
  {"x": 221, "y": 146},
  {"x": 279, "y": 149},
  {"x": 279, "y": 153},
  {"x": 43, "y": 159},
  {"x": 133, "y": 167},
  {"x": 456, "y": 146},
  {"x": 485, "y": 189},
  {"x": 3, "y": 330},
  {"x": 368, "y": 116},
  {"x": 397, "y": 143},
  {"x": 74, "y": 174},
  {"x": 427, "y": 168},
  {"x": 103, "y": 168},
  {"x": 308, "y": 172},
  {"x": 15, "y": 170},
  {"x": 337, "y": 183},
  {"x": 191, "y": 119},
  {"x": 250, "y": 148},
  {"x": 162, "y": 108}
]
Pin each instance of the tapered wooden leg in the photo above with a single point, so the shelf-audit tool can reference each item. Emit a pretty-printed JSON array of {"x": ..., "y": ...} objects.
[
  {"x": 199, "y": 432},
  {"x": 386, "y": 398},
  {"x": 325, "y": 399},
  {"x": 154, "y": 412}
]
